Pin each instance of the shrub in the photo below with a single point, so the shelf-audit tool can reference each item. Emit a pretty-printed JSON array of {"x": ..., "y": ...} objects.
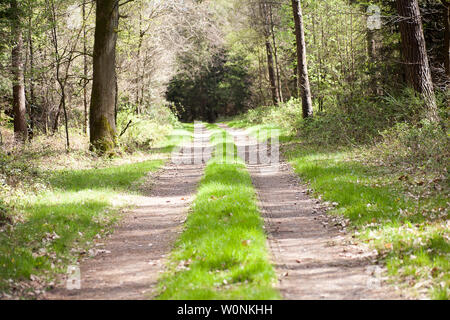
[
  {"x": 361, "y": 120},
  {"x": 425, "y": 145},
  {"x": 286, "y": 115},
  {"x": 4, "y": 218},
  {"x": 146, "y": 130}
]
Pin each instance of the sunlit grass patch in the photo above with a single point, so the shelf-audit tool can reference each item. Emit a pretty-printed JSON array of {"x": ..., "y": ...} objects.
[
  {"x": 401, "y": 215},
  {"x": 60, "y": 213},
  {"x": 261, "y": 131},
  {"x": 222, "y": 253},
  {"x": 107, "y": 179},
  {"x": 411, "y": 235},
  {"x": 60, "y": 223},
  {"x": 418, "y": 254},
  {"x": 177, "y": 137}
]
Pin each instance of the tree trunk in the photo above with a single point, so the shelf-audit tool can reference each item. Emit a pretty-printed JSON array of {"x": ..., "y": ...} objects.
[
  {"x": 447, "y": 38},
  {"x": 61, "y": 82},
  {"x": 19, "y": 108},
  {"x": 139, "y": 69},
  {"x": 266, "y": 29},
  {"x": 273, "y": 84},
  {"x": 373, "y": 50},
  {"x": 32, "y": 104},
  {"x": 261, "y": 73},
  {"x": 103, "y": 99},
  {"x": 294, "y": 80},
  {"x": 303, "y": 79},
  {"x": 275, "y": 53},
  {"x": 322, "y": 74},
  {"x": 85, "y": 69},
  {"x": 415, "y": 56}
]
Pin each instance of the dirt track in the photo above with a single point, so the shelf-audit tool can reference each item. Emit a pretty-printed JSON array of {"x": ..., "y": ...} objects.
[
  {"x": 135, "y": 255},
  {"x": 313, "y": 258}
]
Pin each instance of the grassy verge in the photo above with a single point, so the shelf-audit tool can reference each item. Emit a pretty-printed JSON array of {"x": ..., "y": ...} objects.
[
  {"x": 57, "y": 218},
  {"x": 411, "y": 236},
  {"x": 222, "y": 253},
  {"x": 400, "y": 218}
]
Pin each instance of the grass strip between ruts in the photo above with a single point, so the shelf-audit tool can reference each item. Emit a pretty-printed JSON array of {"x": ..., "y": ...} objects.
[{"x": 222, "y": 253}]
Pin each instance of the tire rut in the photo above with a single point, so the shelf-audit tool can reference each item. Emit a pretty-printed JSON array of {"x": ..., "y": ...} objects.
[
  {"x": 313, "y": 258},
  {"x": 135, "y": 254}
]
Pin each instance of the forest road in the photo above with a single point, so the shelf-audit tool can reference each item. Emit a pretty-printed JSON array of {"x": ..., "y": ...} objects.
[
  {"x": 313, "y": 258},
  {"x": 135, "y": 255}
]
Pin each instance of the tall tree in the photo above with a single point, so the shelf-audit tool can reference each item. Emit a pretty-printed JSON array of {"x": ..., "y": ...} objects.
[
  {"x": 275, "y": 51},
  {"x": 270, "y": 66},
  {"x": 60, "y": 78},
  {"x": 32, "y": 101},
  {"x": 103, "y": 99},
  {"x": 303, "y": 79},
  {"x": 266, "y": 30},
  {"x": 447, "y": 37},
  {"x": 415, "y": 54},
  {"x": 20, "y": 123},
  {"x": 85, "y": 68},
  {"x": 374, "y": 48}
]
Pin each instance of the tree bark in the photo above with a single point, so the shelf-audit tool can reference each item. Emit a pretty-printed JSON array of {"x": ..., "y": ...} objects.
[
  {"x": 103, "y": 98},
  {"x": 139, "y": 69},
  {"x": 61, "y": 81},
  {"x": 272, "y": 80},
  {"x": 373, "y": 49},
  {"x": 447, "y": 37},
  {"x": 303, "y": 79},
  {"x": 85, "y": 70},
  {"x": 32, "y": 103},
  {"x": 275, "y": 53},
  {"x": 262, "y": 97},
  {"x": 19, "y": 108},
  {"x": 415, "y": 56},
  {"x": 266, "y": 30}
]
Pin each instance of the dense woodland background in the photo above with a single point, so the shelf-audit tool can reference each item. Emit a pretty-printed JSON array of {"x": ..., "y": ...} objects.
[
  {"x": 78, "y": 84},
  {"x": 207, "y": 59}
]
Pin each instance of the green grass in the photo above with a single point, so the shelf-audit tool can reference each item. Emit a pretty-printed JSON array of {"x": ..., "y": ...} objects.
[
  {"x": 176, "y": 138},
  {"x": 412, "y": 238},
  {"x": 77, "y": 207},
  {"x": 222, "y": 253},
  {"x": 62, "y": 219},
  {"x": 411, "y": 234}
]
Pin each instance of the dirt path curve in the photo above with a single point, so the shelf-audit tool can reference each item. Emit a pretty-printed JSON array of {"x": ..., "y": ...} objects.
[
  {"x": 135, "y": 253},
  {"x": 313, "y": 259}
]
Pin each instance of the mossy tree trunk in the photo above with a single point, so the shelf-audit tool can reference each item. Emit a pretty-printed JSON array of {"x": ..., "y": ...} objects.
[{"x": 103, "y": 99}]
